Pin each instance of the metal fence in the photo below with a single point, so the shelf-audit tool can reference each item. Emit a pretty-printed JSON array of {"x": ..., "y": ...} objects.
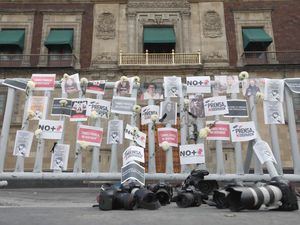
[{"x": 242, "y": 167}]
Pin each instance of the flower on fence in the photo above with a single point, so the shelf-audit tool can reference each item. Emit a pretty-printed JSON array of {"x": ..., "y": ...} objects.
[
  {"x": 66, "y": 76},
  {"x": 123, "y": 79},
  {"x": 186, "y": 104},
  {"x": 165, "y": 145},
  {"x": 136, "y": 80},
  {"x": 84, "y": 81},
  {"x": 30, "y": 115},
  {"x": 259, "y": 96},
  {"x": 63, "y": 102},
  {"x": 83, "y": 144},
  {"x": 38, "y": 133},
  {"x": 30, "y": 84},
  {"x": 154, "y": 118},
  {"x": 243, "y": 75},
  {"x": 94, "y": 114},
  {"x": 204, "y": 132},
  {"x": 136, "y": 108}
]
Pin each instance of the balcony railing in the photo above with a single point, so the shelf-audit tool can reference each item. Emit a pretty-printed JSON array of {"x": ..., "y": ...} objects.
[
  {"x": 35, "y": 60},
  {"x": 159, "y": 58},
  {"x": 266, "y": 58}
]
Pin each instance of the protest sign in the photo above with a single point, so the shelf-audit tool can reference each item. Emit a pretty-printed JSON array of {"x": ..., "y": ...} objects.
[
  {"x": 133, "y": 171},
  {"x": 96, "y": 87},
  {"x": 71, "y": 84},
  {"x": 38, "y": 105},
  {"x": 274, "y": 90},
  {"x": 168, "y": 112},
  {"x": 78, "y": 109},
  {"x": 263, "y": 152},
  {"x": 17, "y": 83},
  {"x": 44, "y": 82},
  {"x": 169, "y": 135},
  {"x": 219, "y": 131},
  {"x": 215, "y": 106},
  {"x": 227, "y": 84},
  {"x": 133, "y": 153},
  {"x": 61, "y": 106},
  {"x": 198, "y": 84},
  {"x": 101, "y": 107},
  {"x": 23, "y": 143},
  {"x": 51, "y": 129},
  {"x": 273, "y": 112},
  {"x": 173, "y": 86},
  {"x": 123, "y": 105},
  {"x": 131, "y": 133},
  {"x": 115, "y": 132},
  {"x": 59, "y": 157},
  {"x": 192, "y": 154},
  {"x": 147, "y": 112},
  {"x": 237, "y": 108},
  {"x": 242, "y": 131},
  {"x": 90, "y": 135}
]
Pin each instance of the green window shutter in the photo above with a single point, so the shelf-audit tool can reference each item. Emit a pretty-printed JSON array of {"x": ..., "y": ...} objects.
[
  {"x": 12, "y": 38},
  {"x": 154, "y": 35},
  {"x": 255, "y": 39},
  {"x": 59, "y": 37}
]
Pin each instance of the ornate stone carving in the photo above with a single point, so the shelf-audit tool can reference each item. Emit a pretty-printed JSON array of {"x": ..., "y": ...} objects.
[
  {"x": 106, "y": 27},
  {"x": 212, "y": 27},
  {"x": 213, "y": 56},
  {"x": 105, "y": 58},
  {"x": 158, "y": 4}
]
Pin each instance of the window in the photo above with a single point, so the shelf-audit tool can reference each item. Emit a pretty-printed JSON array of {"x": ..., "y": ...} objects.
[{"x": 11, "y": 44}]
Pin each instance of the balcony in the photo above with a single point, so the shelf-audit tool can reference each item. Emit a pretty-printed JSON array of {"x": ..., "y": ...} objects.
[
  {"x": 159, "y": 58},
  {"x": 268, "y": 58},
  {"x": 35, "y": 60}
]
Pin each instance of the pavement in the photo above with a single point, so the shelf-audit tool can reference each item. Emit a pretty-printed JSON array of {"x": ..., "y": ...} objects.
[{"x": 73, "y": 206}]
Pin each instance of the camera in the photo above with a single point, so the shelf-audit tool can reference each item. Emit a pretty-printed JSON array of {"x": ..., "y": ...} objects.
[
  {"x": 188, "y": 197},
  {"x": 163, "y": 192}
]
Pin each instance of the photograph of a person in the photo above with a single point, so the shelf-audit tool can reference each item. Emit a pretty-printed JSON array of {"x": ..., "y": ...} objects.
[
  {"x": 197, "y": 106},
  {"x": 123, "y": 87},
  {"x": 173, "y": 86},
  {"x": 71, "y": 84},
  {"x": 168, "y": 112},
  {"x": 253, "y": 88},
  {"x": 151, "y": 91}
]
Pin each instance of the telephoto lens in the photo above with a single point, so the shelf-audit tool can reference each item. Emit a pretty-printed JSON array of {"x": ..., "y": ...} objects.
[
  {"x": 220, "y": 199},
  {"x": 146, "y": 198},
  {"x": 188, "y": 197},
  {"x": 163, "y": 192}
]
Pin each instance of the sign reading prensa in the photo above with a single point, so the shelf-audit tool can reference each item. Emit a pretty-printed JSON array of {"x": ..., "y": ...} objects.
[
  {"x": 133, "y": 153},
  {"x": 51, "y": 129},
  {"x": 215, "y": 106},
  {"x": 90, "y": 135},
  {"x": 192, "y": 154},
  {"x": 243, "y": 131},
  {"x": 133, "y": 171},
  {"x": 169, "y": 135}
]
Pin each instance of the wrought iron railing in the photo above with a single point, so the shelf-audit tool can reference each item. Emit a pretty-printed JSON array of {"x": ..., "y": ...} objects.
[
  {"x": 159, "y": 58},
  {"x": 37, "y": 60},
  {"x": 265, "y": 58}
]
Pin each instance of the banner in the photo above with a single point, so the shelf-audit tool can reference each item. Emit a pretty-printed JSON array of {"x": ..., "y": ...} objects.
[
  {"x": 91, "y": 135},
  {"x": 227, "y": 84},
  {"x": 196, "y": 106},
  {"x": 168, "y": 112},
  {"x": 133, "y": 171},
  {"x": 199, "y": 84},
  {"x": 215, "y": 106},
  {"x": 115, "y": 132},
  {"x": 137, "y": 136},
  {"x": 274, "y": 89},
  {"x": 173, "y": 86},
  {"x": 96, "y": 87},
  {"x": 242, "y": 131},
  {"x": 38, "y": 104},
  {"x": 169, "y": 135},
  {"x": 17, "y": 83},
  {"x": 44, "y": 82},
  {"x": 51, "y": 129},
  {"x": 147, "y": 112},
  {"x": 61, "y": 109},
  {"x": 59, "y": 157},
  {"x": 123, "y": 105},
  {"x": 263, "y": 152},
  {"x": 133, "y": 153},
  {"x": 101, "y": 107},
  {"x": 23, "y": 143},
  {"x": 192, "y": 154},
  {"x": 293, "y": 84},
  {"x": 219, "y": 131},
  {"x": 78, "y": 109},
  {"x": 273, "y": 112},
  {"x": 237, "y": 108},
  {"x": 71, "y": 84},
  {"x": 151, "y": 91}
]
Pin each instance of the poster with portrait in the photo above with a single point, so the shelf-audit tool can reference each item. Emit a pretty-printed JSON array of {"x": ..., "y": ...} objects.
[
  {"x": 227, "y": 84},
  {"x": 273, "y": 112},
  {"x": 96, "y": 87},
  {"x": 61, "y": 106},
  {"x": 151, "y": 91},
  {"x": 196, "y": 106},
  {"x": 59, "y": 157},
  {"x": 242, "y": 131},
  {"x": 115, "y": 132},
  {"x": 215, "y": 106},
  {"x": 78, "y": 109},
  {"x": 274, "y": 89},
  {"x": 38, "y": 105},
  {"x": 51, "y": 129},
  {"x": 44, "y": 82},
  {"x": 218, "y": 131},
  {"x": 122, "y": 105},
  {"x": 191, "y": 154},
  {"x": 23, "y": 143},
  {"x": 131, "y": 133},
  {"x": 173, "y": 86},
  {"x": 16, "y": 83},
  {"x": 169, "y": 135},
  {"x": 252, "y": 86},
  {"x": 133, "y": 153},
  {"x": 101, "y": 107},
  {"x": 168, "y": 112},
  {"x": 147, "y": 112},
  {"x": 198, "y": 85},
  {"x": 124, "y": 86},
  {"x": 237, "y": 108},
  {"x": 90, "y": 135},
  {"x": 71, "y": 84}
]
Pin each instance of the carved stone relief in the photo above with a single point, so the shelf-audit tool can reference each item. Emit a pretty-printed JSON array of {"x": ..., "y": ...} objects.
[
  {"x": 158, "y": 4},
  {"x": 105, "y": 58},
  {"x": 213, "y": 56},
  {"x": 212, "y": 26},
  {"x": 106, "y": 27}
]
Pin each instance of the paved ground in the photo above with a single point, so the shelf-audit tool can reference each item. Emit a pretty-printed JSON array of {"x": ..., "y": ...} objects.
[{"x": 73, "y": 206}]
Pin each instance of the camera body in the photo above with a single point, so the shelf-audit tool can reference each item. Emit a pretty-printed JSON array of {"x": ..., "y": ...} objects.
[
  {"x": 163, "y": 192},
  {"x": 188, "y": 197}
]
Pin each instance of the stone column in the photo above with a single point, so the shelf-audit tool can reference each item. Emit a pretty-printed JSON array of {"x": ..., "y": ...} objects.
[
  {"x": 131, "y": 30},
  {"x": 185, "y": 31}
]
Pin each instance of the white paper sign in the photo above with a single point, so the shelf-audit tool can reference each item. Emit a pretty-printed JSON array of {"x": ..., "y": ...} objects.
[
  {"x": 273, "y": 112},
  {"x": 147, "y": 112},
  {"x": 242, "y": 131},
  {"x": 173, "y": 86},
  {"x": 23, "y": 143},
  {"x": 133, "y": 153},
  {"x": 101, "y": 107},
  {"x": 71, "y": 84},
  {"x": 51, "y": 129},
  {"x": 227, "y": 84},
  {"x": 215, "y": 106},
  {"x": 38, "y": 105},
  {"x": 191, "y": 154},
  {"x": 123, "y": 105},
  {"x": 263, "y": 152},
  {"x": 115, "y": 132},
  {"x": 274, "y": 90},
  {"x": 199, "y": 84},
  {"x": 137, "y": 136},
  {"x": 133, "y": 171},
  {"x": 44, "y": 82},
  {"x": 59, "y": 157}
]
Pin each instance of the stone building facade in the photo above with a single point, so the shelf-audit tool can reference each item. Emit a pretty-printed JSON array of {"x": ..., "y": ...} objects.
[{"x": 107, "y": 33}]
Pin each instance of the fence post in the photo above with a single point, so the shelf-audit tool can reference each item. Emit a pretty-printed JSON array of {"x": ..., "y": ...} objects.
[
  {"x": 199, "y": 56},
  {"x": 276, "y": 147},
  {"x": 183, "y": 124},
  {"x": 169, "y": 152},
  {"x": 6, "y": 125},
  {"x": 173, "y": 56},
  {"x": 120, "y": 57},
  {"x": 147, "y": 57},
  {"x": 151, "y": 144}
]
